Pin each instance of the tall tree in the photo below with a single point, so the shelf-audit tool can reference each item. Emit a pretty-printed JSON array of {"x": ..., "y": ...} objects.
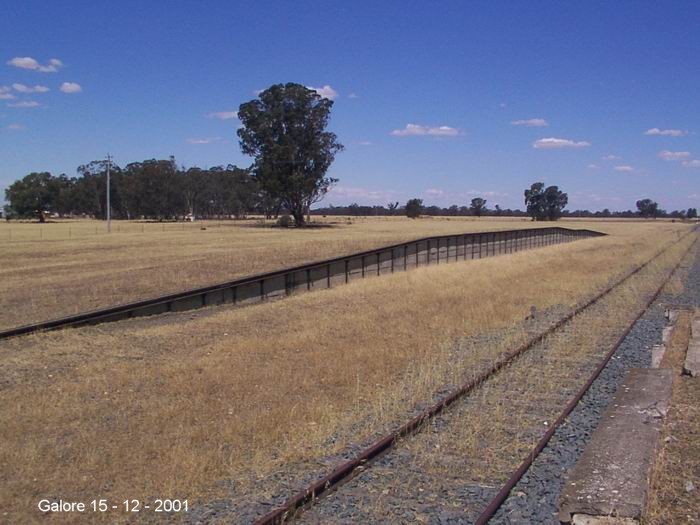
[
  {"x": 555, "y": 201},
  {"x": 477, "y": 206},
  {"x": 647, "y": 208},
  {"x": 35, "y": 195},
  {"x": 545, "y": 203},
  {"x": 284, "y": 129},
  {"x": 692, "y": 213},
  {"x": 414, "y": 207}
]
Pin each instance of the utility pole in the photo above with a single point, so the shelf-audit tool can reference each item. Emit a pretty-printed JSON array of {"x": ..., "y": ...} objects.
[{"x": 109, "y": 202}]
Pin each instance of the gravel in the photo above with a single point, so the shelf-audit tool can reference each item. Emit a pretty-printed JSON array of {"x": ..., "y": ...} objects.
[{"x": 535, "y": 498}]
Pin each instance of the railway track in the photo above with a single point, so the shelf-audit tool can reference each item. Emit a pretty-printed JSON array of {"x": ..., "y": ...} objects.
[{"x": 538, "y": 348}]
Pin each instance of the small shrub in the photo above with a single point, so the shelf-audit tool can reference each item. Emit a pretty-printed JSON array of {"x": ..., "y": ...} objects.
[{"x": 285, "y": 221}]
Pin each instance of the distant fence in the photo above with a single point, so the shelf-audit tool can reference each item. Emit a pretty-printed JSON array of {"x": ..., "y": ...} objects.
[{"x": 326, "y": 274}]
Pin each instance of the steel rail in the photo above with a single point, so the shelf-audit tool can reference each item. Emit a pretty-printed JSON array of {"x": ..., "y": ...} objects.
[
  {"x": 503, "y": 494},
  {"x": 283, "y": 280},
  {"x": 353, "y": 467}
]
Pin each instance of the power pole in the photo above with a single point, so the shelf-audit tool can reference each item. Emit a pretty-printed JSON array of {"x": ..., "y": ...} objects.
[{"x": 109, "y": 202}]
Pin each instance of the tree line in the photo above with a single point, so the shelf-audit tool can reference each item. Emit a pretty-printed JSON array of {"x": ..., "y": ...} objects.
[
  {"x": 152, "y": 189},
  {"x": 284, "y": 130}
]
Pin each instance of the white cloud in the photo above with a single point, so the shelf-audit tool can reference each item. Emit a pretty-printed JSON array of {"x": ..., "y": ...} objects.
[
  {"x": 593, "y": 166},
  {"x": 29, "y": 89},
  {"x": 348, "y": 193},
  {"x": 223, "y": 115},
  {"x": 554, "y": 143},
  {"x": 352, "y": 95},
  {"x": 530, "y": 123},
  {"x": 325, "y": 91},
  {"x": 434, "y": 192},
  {"x": 70, "y": 87},
  {"x": 674, "y": 155},
  {"x": 30, "y": 63},
  {"x": 204, "y": 140},
  {"x": 666, "y": 132},
  {"x": 25, "y": 104},
  {"x": 6, "y": 93},
  {"x": 414, "y": 130},
  {"x": 612, "y": 157},
  {"x": 16, "y": 127},
  {"x": 627, "y": 169},
  {"x": 487, "y": 193},
  {"x": 695, "y": 163}
]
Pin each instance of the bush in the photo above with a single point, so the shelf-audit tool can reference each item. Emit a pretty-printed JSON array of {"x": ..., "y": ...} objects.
[{"x": 285, "y": 221}]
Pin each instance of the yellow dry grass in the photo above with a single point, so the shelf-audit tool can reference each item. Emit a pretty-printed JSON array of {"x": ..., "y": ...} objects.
[
  {"x": 484, "y": 438},
  {"x": 167, "y": 407},
  {"x": 52, "y": 270}
]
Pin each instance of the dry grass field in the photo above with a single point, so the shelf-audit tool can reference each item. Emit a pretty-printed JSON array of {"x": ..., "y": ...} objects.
[
  {"x": 74, "y": 266},
  {"x": 171, "y": 406}
]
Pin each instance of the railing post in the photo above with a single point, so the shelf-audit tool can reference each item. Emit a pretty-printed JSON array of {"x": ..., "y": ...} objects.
[
  {"x": 347, "y": 271},
  {"x": 363, "y": 266},
  {"x": 405, "y": 257},
  {"x": 378, "y": 262},
  {"x": 328, "y": 276}
]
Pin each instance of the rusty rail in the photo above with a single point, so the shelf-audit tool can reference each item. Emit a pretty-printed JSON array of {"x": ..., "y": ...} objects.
[
  {"x": 504, "y": 492},
  {"x": 353, "y": 467},
  {"x": 327, "y": 273}
]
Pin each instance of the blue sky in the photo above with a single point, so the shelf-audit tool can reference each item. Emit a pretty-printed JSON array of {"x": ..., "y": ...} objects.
[{"x": 440, "y": 100}]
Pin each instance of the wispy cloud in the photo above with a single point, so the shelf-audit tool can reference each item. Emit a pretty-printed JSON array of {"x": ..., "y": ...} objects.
[
  {"x": 32, "y": 64},
  {"x": 223, "y": 115},
  {"x": 666, "y": 132},
  {"x": 611, "y": 157},
  {"x": 25, "y": 104},
  {"x": 695, "y": 163},
  {"x": 16, "y": 127},
  {"x": 452, "y": 197},
  {"x": 71, "y": 87},
  {"x": 593, "y": 166},
  {"x": 352, "y": 95},
  {"x": 204, "y": 140},
  {"x": 416, "y": 130},
  {"x": 555, "y": 143},
  {"x": 6, "y": 93},
  {"x": 530, "y": 123},
  {"x": 674, "y": 155},
  {"x": 627, "y": 169},
  {"x": 325, "y": 91},
  {"x": 349, "y": 193},
  {"x": 21, "y": 88}
]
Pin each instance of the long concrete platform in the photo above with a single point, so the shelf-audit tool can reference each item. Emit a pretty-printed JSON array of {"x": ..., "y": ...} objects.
[{"x": 609, "y": 483}]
